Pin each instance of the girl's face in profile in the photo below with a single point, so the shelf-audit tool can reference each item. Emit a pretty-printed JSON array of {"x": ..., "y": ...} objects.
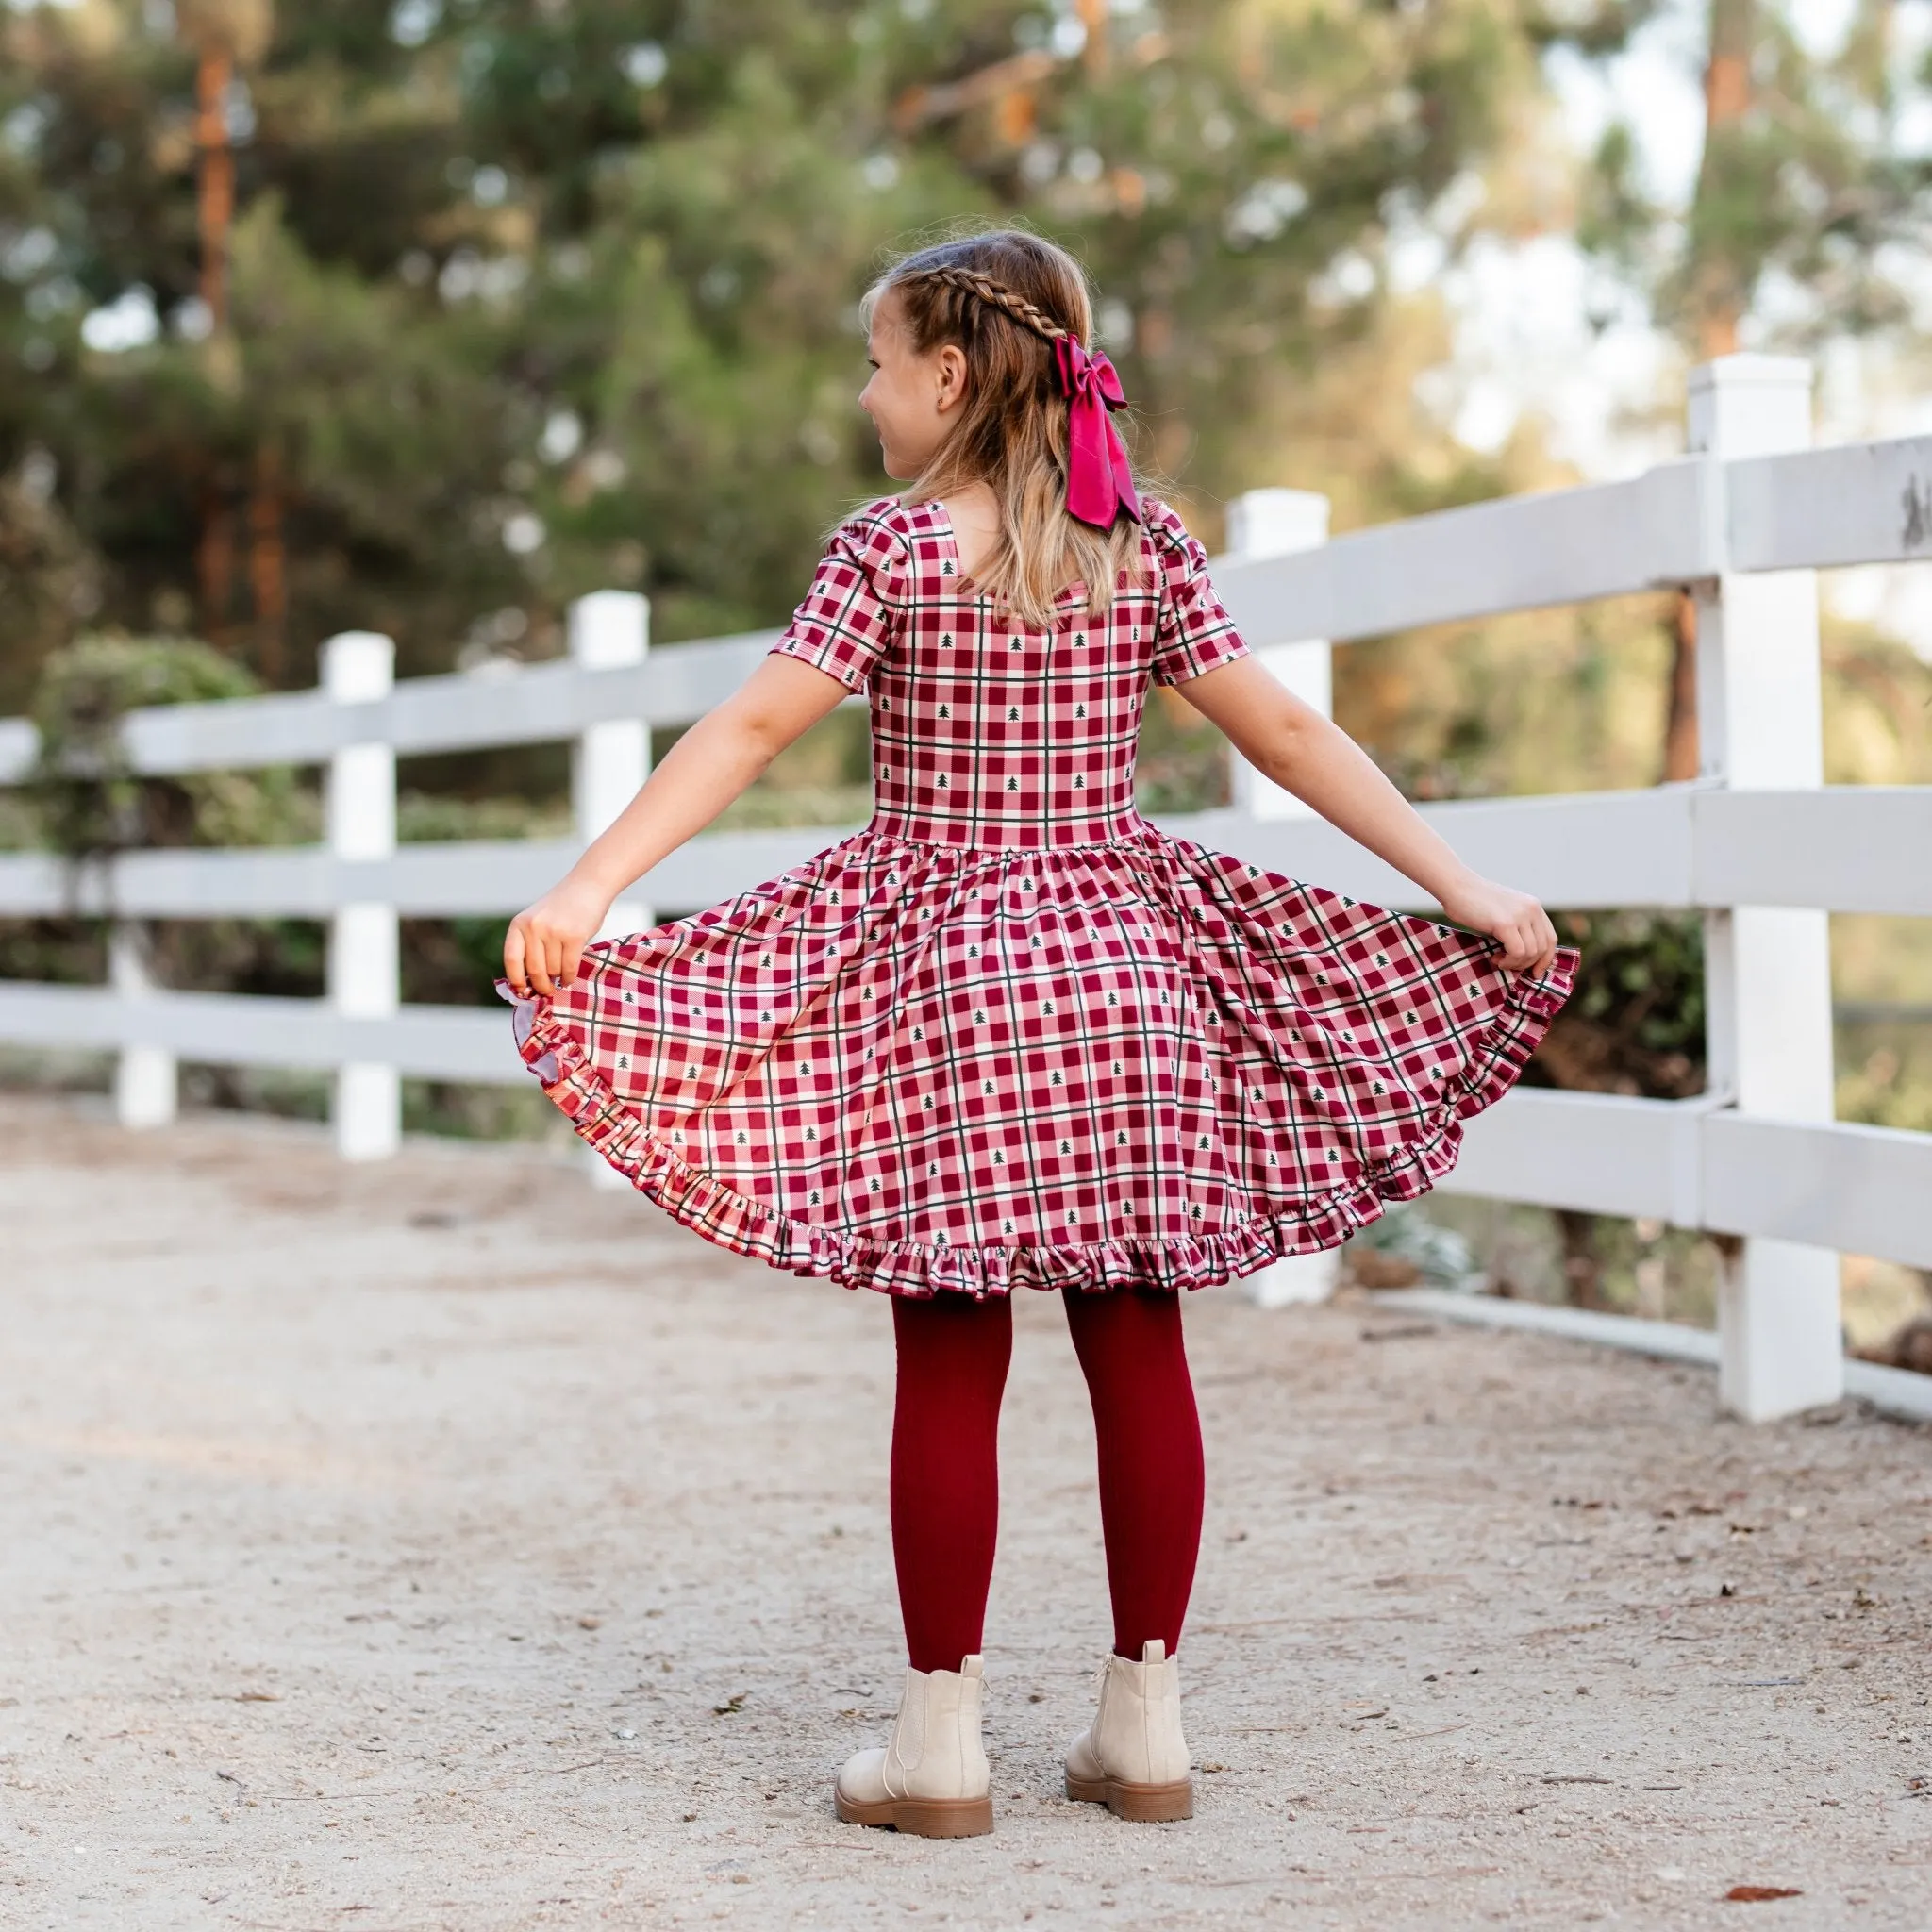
[{"x": 913, "y": 400}]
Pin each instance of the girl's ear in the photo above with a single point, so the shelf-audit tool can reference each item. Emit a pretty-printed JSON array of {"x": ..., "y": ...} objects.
[{"x": 950, "y": 365}]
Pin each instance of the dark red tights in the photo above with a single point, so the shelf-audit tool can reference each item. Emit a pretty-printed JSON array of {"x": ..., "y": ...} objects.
[{"x": 953, "y": 1358}]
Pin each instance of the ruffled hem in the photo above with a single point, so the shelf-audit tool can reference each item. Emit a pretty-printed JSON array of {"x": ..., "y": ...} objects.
[{"x": 733, "y": 1221}]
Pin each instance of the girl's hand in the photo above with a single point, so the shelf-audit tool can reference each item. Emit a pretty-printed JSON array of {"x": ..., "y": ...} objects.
[
  {"x": 1514, "y": 918},
  {"x": 546, "y": 942}
]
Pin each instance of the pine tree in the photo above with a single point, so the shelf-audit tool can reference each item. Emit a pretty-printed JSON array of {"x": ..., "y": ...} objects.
[
  {"x": 302, "y": 400},
  {"x": 1804, "y": 190},
  {"x": 523, "y": 297}
]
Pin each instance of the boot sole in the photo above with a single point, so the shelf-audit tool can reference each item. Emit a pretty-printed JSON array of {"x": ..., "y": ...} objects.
[
  {"x": 920, "y": 1817},
  {"x": 1139, "y": 1804}
]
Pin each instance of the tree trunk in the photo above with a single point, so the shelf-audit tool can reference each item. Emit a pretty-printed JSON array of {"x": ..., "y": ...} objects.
[
  {"x": 215, "y": 199},
  {"x": 268, "y": 563},
  {"x": 1717, "y": 285},
  {"x": 214, "y": 554},
  {"x": 1681, "y": 752},
  {"x": 1583, "y": 1268},
  {"x": 214, "y": 563},
  {"x": 1093, "y": 16},
  {"x": 1719, "y": 282}
]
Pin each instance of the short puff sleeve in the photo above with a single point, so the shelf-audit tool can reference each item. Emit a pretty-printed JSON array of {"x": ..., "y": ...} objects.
[
  {"x": 855, "y": 609},
  {"x": 1193, "y": 634}
]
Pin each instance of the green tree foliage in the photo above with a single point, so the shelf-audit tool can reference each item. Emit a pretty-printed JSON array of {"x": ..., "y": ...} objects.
[
  {"x": 92, "y": 801},
  {"x": 89, "y": 804},
  {"x": 1811, "y": 200},
  {"x": 1634, "y": 1024},
  {"x": 530, "y": 296}
]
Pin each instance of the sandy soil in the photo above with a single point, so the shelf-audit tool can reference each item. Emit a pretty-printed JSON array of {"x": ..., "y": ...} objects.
[{"x": 449, "y": 1546}]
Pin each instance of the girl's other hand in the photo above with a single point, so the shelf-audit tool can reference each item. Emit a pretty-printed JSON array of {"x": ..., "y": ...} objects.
[
  {"x": 1528, "y": 939},
  {"x": 546, "y": 942}
]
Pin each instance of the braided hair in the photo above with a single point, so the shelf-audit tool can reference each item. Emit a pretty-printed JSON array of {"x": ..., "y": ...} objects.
[
  {"x": 1010, "y": 302},
  {"x": 1005, "y": 298}
]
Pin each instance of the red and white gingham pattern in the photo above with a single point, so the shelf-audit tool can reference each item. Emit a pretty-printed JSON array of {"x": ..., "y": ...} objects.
[{"x": 1010, "y": 1033}]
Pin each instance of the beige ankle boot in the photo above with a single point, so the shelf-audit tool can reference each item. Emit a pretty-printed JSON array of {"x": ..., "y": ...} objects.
[
  {"x": 1133, "y": 1758},
  {"x": 932, "y": 1780}
]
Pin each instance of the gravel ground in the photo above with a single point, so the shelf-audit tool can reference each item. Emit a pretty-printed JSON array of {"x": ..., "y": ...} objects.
[{"x": 448, "y": 1544}]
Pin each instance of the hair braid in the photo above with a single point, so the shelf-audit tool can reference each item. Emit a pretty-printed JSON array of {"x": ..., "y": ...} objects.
[{"x": 1009, "y": 301}]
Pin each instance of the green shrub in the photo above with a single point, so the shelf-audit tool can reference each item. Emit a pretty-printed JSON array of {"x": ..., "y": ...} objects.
[{"x": 90, "y": 801}]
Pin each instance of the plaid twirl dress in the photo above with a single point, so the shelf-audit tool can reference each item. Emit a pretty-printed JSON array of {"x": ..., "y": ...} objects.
[{"x": 1009, "y": 1035}]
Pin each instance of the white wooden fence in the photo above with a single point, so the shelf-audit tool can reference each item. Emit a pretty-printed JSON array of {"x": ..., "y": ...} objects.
[{"x": 1757, "y": 842}]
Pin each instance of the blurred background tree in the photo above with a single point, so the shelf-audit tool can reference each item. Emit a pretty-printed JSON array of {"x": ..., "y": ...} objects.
[
  {"x": 1805, "y": 228},
  {"x": 426, "y": 316}
]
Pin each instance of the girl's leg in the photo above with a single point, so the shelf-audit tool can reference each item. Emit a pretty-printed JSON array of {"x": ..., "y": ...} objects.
[
  {"x": 1151, "y": 1473},
  {"x": 953, "y": 1354}
]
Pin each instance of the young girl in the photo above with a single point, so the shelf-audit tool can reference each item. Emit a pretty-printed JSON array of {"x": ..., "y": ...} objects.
[{"x": 1009, "y": 1035}]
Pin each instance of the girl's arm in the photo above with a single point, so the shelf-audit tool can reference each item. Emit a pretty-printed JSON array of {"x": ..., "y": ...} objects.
[
  {"x": 1304, "y": 753},
  {"x": 708, "y": 766}
]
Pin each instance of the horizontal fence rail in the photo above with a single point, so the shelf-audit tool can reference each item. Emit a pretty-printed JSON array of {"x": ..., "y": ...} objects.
[
  {"x": 1898, "y": 1392},
  {"x": 1838, "y": 849},
  {"x": 1680, "y": 522},
  {"x": 1566, "y": 546},
  {"x": 474, "y": 710},
  {"x": 1691, "y": 1163},
  {"x": 469, "y": 1044},
  {"x": 1826, "y": 509},
  {"x": 1696, "y": 1163},
  {"x": 1758, "y": 846},
  {"x": 1807, "y": 509}
]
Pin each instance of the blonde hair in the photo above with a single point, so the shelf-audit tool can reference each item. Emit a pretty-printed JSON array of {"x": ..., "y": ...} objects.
[{"x": 1003, "y": 298}]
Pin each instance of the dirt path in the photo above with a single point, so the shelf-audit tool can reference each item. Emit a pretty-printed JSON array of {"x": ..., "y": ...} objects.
[{"x": 448, "y": 1546}]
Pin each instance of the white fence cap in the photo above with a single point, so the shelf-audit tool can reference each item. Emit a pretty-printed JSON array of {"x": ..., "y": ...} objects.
[
  {"x": 610, "y": 629},
  {"x": 358, "y": 667},
  {"x": 1276, "y": 523}
]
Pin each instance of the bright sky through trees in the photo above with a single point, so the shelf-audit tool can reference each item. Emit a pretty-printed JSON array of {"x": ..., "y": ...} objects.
[{"x": 1525, "y": 340}]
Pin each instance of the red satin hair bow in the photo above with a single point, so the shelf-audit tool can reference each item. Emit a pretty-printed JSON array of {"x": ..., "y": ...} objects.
[{"x": 1100, "y": 480}]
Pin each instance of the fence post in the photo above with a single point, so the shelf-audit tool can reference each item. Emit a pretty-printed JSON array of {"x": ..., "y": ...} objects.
[
  {"x": 1273, "y": 523},
  {"x": 609, "y": 630},
  {"x": 358, "y": 668},
  {"x": 1276, "y": 523},
  {"x": 1767, "y": 969},
  {"x": 146, "y": 1078}
]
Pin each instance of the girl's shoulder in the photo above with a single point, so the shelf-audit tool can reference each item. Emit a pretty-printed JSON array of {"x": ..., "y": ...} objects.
[
  {"x": 1175, "y": 559},
  {"x": 890, "y": 520},
  {"x": 891, "y": 540},
  {"x": 1164, "y": 529}
]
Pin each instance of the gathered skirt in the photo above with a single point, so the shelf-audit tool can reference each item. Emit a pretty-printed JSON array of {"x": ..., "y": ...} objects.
[{"x": 923, "y": 1068}]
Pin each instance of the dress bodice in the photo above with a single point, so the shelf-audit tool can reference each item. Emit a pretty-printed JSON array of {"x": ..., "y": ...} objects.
[{"x": 986, "y": 732}]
